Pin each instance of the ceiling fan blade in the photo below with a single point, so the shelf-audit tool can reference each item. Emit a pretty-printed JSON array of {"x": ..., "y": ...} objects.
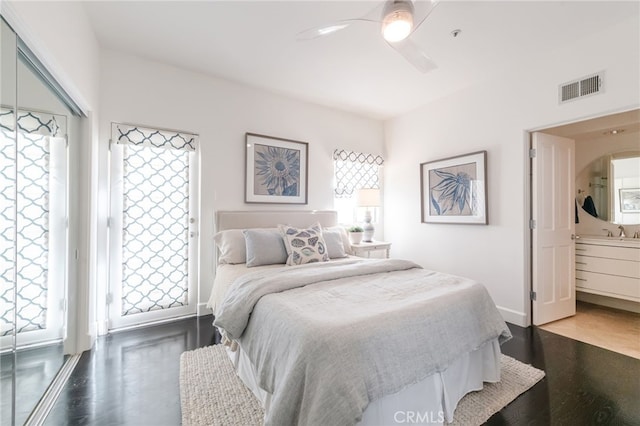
[
  {"x": 374, "y": 15},
  {"x": 422, "y": 10},
  {"x": 323, "y": 30},
  {"x": 414, "y": 55},
  {"x": 327, "y": 29}
]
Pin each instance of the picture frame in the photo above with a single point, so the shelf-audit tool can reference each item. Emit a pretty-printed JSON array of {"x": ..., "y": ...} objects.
[
  {"x": 276, "y": 170},
  {"x": 454, "y": 189},
  {"x": 629, "y": 200}
]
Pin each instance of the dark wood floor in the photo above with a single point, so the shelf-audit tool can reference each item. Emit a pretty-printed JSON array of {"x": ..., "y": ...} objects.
[{"x": 131, "y": 378}]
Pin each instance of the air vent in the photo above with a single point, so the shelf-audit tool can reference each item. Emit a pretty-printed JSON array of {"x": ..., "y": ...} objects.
[{"x": 586, "y": 86}]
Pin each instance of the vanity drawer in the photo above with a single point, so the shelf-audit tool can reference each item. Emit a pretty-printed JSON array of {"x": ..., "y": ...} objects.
[
  {"x": 612, "y": 285},
  {"x": 624, "y": 268},
  {"x": 624, "y": 253}
]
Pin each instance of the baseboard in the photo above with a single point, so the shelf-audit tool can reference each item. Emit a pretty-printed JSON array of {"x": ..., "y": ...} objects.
[
  {"x": 150, "y": 323},
  {"x": 85, "y": 341},
  {"x": 103, "y": 327},
  {"x": 513, "y": 317},
  {"x": 202, "y": 310}
]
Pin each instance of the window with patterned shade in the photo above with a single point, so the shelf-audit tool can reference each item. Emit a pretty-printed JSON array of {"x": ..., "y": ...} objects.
[{"x": 353, "y": 171}]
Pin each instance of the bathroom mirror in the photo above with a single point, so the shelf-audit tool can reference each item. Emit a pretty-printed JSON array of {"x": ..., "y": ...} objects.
[{"x": 609, "y": 188}]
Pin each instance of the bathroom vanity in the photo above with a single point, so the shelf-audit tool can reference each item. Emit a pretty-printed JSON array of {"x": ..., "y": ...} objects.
[{"x": 608, "y": 266}]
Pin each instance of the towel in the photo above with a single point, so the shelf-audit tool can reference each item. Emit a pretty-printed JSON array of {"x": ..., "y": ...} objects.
[{"x": 589, "y": 206}]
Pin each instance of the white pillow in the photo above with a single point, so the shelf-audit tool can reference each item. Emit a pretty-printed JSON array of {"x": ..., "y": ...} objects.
[
  {"x": 231, "y": 245},
  {"x": 335, "y": 245},
  {"x": 264, "y": 247},
  {"x": 345, "y": 239},
  {"x": 304, "y": 245}
]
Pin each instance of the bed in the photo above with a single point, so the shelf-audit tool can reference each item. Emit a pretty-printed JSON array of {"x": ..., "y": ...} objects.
[{"x": 344, "y": 340}]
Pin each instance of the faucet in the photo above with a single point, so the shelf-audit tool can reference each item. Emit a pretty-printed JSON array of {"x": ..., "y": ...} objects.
[
  {"x": 622, "y": 234},
  {"x": 636, "y": 234},
  {"x": 609, "y": 234}
]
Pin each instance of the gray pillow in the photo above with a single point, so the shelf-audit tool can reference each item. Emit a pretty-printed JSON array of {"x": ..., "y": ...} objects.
[
  {"x": 264, "y": 247},
  {"x": 333, "y": 239}
]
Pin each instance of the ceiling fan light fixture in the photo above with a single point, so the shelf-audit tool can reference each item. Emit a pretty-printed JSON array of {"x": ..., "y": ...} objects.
[{"x": 397, "y": 21}]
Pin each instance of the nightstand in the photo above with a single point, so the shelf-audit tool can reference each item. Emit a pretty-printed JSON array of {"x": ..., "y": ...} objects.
[{"x": 364, "y": 249}]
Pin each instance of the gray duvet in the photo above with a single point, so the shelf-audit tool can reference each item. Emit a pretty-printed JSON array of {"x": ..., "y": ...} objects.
[{"x": 326, "y": 339}]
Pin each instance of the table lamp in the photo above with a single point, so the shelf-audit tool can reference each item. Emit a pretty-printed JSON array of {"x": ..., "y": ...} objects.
[{"x": 368, "y": 197}]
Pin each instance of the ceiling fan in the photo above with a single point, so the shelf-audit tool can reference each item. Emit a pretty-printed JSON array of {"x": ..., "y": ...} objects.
[{"x": 398, "y": 20}]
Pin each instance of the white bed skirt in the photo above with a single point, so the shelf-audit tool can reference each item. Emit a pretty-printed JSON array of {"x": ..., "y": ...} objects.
[{"x": 431, "y": 401}]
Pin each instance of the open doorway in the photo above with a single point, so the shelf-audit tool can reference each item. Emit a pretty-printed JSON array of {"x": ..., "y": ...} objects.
[{"x": 607, "y": 218}]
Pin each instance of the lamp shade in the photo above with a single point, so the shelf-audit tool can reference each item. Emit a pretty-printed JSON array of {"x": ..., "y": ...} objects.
[{"x": 368, "y": 197}]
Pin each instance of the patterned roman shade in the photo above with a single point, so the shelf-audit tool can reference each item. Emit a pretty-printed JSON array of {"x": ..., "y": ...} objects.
[
  {"x": 143, "y": 136},
  {"x": 355, "y": 170},
  {"x": 155, "y": 217}
]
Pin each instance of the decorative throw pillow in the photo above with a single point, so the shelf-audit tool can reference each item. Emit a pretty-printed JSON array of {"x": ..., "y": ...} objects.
[
  {"x": 231, "y": 246},
  {"x": 264, "y": 247},
  {"x": 346, "y": 244},
  {"x": 304, "y": 245},
  {"x": 335, "y": 245}
]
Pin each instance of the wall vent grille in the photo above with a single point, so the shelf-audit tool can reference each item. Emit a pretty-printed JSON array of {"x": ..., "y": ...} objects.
[{"x": 585, "y": 86}]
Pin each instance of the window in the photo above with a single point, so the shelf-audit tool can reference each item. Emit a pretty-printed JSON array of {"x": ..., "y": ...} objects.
[
  {"x": 153, "y": 225},
  {"x": 353, "y": 171}
]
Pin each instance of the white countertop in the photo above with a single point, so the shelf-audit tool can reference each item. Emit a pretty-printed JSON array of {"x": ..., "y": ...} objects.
[{"x": 609, "y": 241}]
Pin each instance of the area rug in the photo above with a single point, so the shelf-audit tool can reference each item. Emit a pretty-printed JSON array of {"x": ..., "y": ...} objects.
[{"x": 212, "y": 394}]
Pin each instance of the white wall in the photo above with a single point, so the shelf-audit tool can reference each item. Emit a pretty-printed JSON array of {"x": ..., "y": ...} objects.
[
  {"x": 134, "y": 90},
  {"x": 62, "y": 38},
  {"x": 495, "y": 116}
]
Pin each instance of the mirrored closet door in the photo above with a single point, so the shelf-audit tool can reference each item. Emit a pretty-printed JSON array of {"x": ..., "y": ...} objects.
[
  {"x": 8, "y": 84},
  {"x": 35, "y": 125}
]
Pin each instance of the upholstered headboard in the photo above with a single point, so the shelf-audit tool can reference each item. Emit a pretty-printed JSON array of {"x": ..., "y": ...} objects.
[{"x": 271, "y": 219}]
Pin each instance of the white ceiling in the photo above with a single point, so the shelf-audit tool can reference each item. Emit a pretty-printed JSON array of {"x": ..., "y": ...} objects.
[
  {"x": 254, "y": 43},
  {"x": 627, "y": 122}
]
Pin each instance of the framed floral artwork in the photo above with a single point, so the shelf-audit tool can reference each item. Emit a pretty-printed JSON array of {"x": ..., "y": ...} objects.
[
  {"x": 276, "y": 170},
  {"x": 454, "y": 190}
]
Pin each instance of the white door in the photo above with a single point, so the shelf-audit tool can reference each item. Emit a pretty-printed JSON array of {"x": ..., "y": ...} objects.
[
  {"x": 153, "y": 225},
  {"x": 553, "y": 234}
]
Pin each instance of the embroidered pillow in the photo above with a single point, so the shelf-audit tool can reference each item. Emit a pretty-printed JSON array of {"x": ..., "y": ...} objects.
[{"x": 304, "y": 245}]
